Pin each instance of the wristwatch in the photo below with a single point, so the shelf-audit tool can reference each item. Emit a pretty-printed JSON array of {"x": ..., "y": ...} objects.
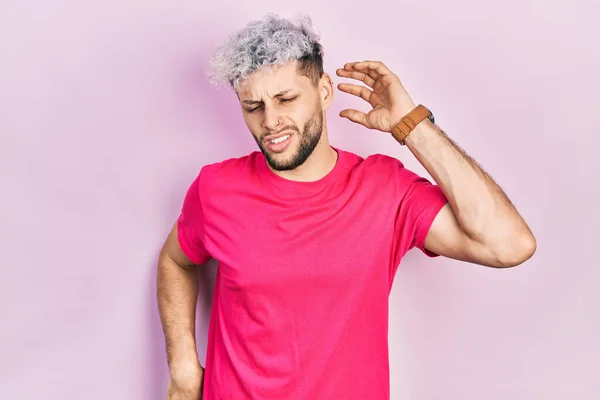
[{"x": 410, "y": 120}]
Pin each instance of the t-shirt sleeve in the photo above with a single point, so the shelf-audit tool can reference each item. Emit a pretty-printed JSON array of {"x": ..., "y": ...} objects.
[
  {"x": 419, "y": 202},
  {"x": 190, "y": 225}
]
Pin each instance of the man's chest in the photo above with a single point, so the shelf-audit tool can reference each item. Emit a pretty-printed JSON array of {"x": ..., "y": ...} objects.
[{"x": 264, "y": 245}]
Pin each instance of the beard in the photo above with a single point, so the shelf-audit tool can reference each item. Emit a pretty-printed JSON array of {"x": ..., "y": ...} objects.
[{"x": 308, "y": 140}]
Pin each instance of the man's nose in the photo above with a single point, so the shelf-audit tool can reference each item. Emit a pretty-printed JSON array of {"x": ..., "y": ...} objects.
[{"x": 271, "y": 120}]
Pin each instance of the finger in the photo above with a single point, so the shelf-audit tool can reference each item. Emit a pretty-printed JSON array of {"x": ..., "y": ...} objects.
[
  {"x": 359, "y": 75},
  {"x": 373, "y": 74},
  {"x": 356, "y": 90},
  {"x": 355, "y": 116},
  {"x": 371, "y": 65}
]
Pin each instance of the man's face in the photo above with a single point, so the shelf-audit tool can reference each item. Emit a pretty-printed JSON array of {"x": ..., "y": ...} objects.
[{"x": 284, "y": 112}]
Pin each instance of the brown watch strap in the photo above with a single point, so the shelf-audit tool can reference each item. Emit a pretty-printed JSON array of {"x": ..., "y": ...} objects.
[{"x": 408, "y": 123}]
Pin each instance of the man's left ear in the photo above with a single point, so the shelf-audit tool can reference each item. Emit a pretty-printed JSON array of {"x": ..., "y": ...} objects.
[{"x": 326, "y": 90}]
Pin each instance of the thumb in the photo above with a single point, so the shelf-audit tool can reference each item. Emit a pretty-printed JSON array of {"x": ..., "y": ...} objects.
[{"x": 355, "y": 116}]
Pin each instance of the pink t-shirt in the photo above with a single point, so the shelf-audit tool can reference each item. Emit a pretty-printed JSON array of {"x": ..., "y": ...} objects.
[{"x": 300, "y": 307}]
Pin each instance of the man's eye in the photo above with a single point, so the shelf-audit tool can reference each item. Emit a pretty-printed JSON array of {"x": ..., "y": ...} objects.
[{"x": 251, "y": 110}]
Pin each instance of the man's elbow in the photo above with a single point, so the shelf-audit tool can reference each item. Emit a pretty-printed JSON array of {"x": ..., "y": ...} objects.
[{"x": 517, "y": 253}]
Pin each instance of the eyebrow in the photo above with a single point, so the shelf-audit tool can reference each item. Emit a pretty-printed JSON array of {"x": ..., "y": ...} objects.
[{"x": 282, "y": 93}]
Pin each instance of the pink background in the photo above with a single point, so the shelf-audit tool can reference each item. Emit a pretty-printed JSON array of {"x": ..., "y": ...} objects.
[{"x": 106, "y": 117}]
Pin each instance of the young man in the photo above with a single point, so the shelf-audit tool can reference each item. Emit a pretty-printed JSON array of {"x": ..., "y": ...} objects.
[{"x": 309, "y": 236}]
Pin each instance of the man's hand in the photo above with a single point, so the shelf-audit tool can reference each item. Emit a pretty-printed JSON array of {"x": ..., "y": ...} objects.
[
  {"x": 389, "y": 99},
  {"x": 186, "y": 382}
]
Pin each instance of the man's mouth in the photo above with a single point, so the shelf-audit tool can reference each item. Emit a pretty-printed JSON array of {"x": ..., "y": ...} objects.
[
  {"x": 279, "y": 142},
  {"x": 272, "y": 138}
]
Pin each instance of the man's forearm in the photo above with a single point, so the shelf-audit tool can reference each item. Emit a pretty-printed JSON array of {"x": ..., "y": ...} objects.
[
  {"x": 482, "y": 209},
  {"x": 177, "y": 291}
]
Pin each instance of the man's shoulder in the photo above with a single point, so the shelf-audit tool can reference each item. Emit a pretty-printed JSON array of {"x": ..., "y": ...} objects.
[
  {"x": 371, "y": 161},
  {"x": 230, "y": 168},
  {"x": 378, "y": 166},
  {"x": 375, "y": 170},
  {"x": 379, "y": 160}
]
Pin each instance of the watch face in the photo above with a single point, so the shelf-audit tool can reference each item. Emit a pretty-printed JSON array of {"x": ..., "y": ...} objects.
[{"x": 431, "y": 118}]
